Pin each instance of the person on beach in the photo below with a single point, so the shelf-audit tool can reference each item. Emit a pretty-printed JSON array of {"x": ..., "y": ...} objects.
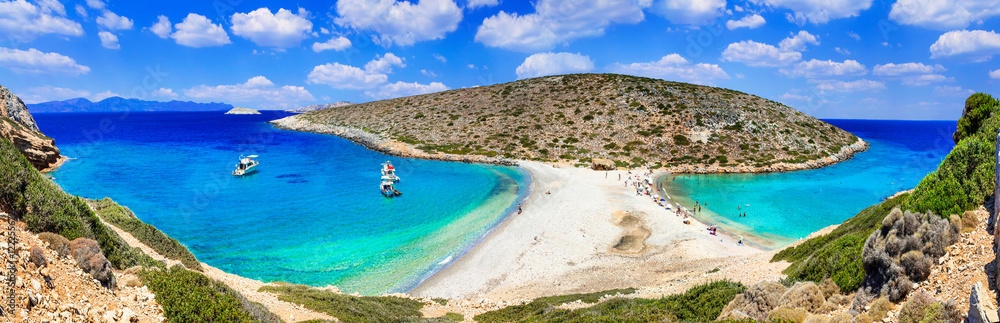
[
  {"x": 518, "y": 208},
  {"x": 741, "y": 240}
]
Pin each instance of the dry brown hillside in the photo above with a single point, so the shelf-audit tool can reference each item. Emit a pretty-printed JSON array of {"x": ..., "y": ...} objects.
[{"x": 632, "y": 120}]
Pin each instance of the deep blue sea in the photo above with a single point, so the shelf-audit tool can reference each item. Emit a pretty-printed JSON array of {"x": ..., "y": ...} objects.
[
  {"x": 784, "y": 207},
  {"x": 312, "y": 214}
]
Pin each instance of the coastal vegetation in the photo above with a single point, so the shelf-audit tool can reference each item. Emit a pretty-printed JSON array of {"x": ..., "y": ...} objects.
[
  {"x": 188, "y": 296},
  {"x": 699, "y": 304},
  {"x": 634, "y": 121},
  {"x": 348, "y": 308},
  {"x": 44, "y": 207},
  {"x": 887, "y": 247},
  {"x": 124, "y": 219}
]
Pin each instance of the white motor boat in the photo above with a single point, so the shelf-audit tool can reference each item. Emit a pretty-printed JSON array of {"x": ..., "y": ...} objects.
[
  {"x": 247, "y": 165},
  {"x": 389, "y": 172}
]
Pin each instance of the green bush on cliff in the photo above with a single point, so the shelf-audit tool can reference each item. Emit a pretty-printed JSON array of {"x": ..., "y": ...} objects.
[
  {"x": 837, "y": 255},
  {"x": 44, "y": 207},
  {"x": 701, "y": 303},
  {"x": 124, "y": 219},
  {"x": 188, "y": 296},
  {"x": 349, "y": 308}
]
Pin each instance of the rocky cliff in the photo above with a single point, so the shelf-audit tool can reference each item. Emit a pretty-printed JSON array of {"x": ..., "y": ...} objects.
[
  {"x": 321, "y": 107},
  {"x": 19, "y": 127}
]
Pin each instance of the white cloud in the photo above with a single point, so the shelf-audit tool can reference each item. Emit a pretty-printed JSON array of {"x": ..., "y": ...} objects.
[
  {"x": 690, "y": 12},
  {"x": 556, "y": 22},
  {"x": 978, "y": 45},
  {"x": 104, "y": 95},
  {"x": 256, "y": 92},
  {"x": 50, "y": 93},
  {"x": 428, "y": 73},
  {"x": 198, "y": 31},
  {"x": 798, "y": 42},
  {"x": 335, "y": 43},
  {"x": 440, "y": 58},
  {"x": 673, "y": 67},
  {"x": 854, "y": 35},
  {"x": 22, "y": 21},
  {"x": 33, "y": 61},
  {"x": 401, "y": 89},
  {"x": 853, "y": 86},
  {"x": 951, "y": 91},
  {"x": 757, "y": 54},
  {"x": 893, "y": 69},
  {"x": 400, "y": 23},
  {"x": 995, "y": 75},
  {"x": 81, "y": 11},
  {"x": 752, "y": 21},
  {"x": 162, "y": 27},
  {"x": 108, "y": 40},
  {"x": 926, "y": 79},
  {"x": 283, "y": 29},
  {"x": 818, "y": 11},
  {"x": 112, "y": 21},
  {"x": 164, "y": 93},
  {"x": 95, "y": 4},
  {"x": 842, "y": 51},
  {"x": 543, "y": 64},
  {"x": 473, "y": 4},
  {"x": 384, "y": 64},
  {"x": 943, "y": 14},
  {"x": 471, "y": 66},
  {"x": 816, "y": 68},
  {"x": 341, "y": 76}
]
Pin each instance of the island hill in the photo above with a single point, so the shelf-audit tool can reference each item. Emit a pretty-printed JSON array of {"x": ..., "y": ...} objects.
[{"x": 576, "y": 118}]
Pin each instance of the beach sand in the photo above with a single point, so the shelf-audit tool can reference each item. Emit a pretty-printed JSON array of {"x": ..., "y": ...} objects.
[{"x": 593, "y": 233}]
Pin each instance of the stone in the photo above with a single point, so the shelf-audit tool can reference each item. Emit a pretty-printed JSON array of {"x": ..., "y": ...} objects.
[
  {"x": 128, "y": 316},
  {"x": 110, "y": 317},
  {"x": 36, "y": 285}
]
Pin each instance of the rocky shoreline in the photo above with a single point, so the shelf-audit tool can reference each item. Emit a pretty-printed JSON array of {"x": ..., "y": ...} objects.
[
  {"x": 378, "y": 143},
  {"x": 845, "y": 153}
]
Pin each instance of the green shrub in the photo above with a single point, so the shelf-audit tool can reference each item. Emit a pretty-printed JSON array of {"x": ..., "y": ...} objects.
[
  {"x": 681, "y": 140},
  {"x": 978, "y": 107},
  {"x": 124, "y": 219},
  {"x": 348, "y": 308},
  {"x": 188, "y": 296}
]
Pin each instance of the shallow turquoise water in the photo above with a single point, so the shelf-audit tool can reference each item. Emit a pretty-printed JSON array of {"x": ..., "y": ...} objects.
[
  {"x": 312, "y": 214},
  {"x": 784, "y": 207}
]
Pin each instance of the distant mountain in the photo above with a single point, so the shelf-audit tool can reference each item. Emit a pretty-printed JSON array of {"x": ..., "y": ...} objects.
[
  {"x": 116, "y": 104},
  {"x": 321, "y": 107}
]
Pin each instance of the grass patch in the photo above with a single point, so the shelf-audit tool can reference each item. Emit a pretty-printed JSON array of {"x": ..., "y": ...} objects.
[
  {"x": 124, "y": 219},
  {"x": 188, "y": 296},
  {"x": 457, "y": 317},
  {"x": 701, "y": 303},
  {"x": 349, "y": 308}
]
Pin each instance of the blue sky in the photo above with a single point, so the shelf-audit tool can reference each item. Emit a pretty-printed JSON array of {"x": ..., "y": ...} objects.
[{"x": 856, "y": 59}]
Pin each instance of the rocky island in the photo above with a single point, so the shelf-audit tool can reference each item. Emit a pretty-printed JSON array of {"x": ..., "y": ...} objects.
[
  {"x": 240, "y": 110},
  {"x": 633, "y": 121}
]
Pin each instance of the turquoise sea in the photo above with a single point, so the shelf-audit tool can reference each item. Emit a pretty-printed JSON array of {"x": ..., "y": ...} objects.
[
  {"x": 312, "y": 214},
  {"x": 783, "y": 207}
]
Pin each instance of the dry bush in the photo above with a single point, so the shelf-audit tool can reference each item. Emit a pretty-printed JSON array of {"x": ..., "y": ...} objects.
[
  {"x": 804, "y": 295},
  {"x": 922, "y": 307},
  {"x": 829, "y": 288},
  {"x": 56, "y": 242},
  {"x": 969, "y": 221},
  {"x": 797, "y": 315},
  {"x": 918, "y": 266},
  {"x": 815, "y": 319},
  {"x": 841, "y": 318},
  {"x": 755, "y": 302},
  {"x": 902, "y": 251}
]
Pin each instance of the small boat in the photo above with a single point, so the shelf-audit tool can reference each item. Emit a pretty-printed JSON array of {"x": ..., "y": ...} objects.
[
  {"x": 247, "y": 165},
  {"x": 388, "y": 190},
  {"x": 389, "y": 172}
]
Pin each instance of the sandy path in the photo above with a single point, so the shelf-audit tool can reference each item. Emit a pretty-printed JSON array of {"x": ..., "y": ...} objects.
[
  {"x": 564, "y": 242},
  {"x": 248, "y": 287}
]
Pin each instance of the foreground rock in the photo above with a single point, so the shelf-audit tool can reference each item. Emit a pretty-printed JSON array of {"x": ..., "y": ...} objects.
[
  {"x": 239, "y": 110},
  {"x": 61, "y": 292},
  {"x": 18, "y": 126}
]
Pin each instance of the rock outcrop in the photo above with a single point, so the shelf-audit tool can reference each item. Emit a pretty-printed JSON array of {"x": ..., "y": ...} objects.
[
  {"x": 18, "y": 126},
  {"x": 239, "y": 110}
]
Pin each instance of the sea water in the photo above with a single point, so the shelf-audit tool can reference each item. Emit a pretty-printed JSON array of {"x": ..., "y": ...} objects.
[
  {"x": 783, "y": 207},
  {"x": 312, "y": 213}
]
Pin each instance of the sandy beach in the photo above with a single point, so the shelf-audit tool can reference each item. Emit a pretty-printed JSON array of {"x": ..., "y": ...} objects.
[{"x": 593, "y": 233}]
